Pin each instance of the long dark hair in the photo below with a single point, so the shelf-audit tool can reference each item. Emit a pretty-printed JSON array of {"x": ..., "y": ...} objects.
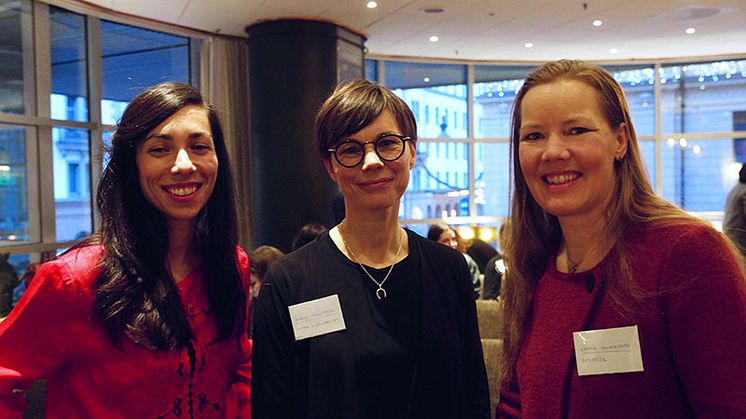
[{"x": 135, "y": 293}]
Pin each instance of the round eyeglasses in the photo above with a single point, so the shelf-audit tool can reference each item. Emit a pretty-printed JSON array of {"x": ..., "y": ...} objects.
[{"x": 388, "y": 147}]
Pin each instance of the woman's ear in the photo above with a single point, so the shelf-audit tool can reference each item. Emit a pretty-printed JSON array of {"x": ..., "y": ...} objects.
[
  {"x": 413, "y": 151},
  {"x": 330, "y": 169},
  {"x": 622, "y": 141}
]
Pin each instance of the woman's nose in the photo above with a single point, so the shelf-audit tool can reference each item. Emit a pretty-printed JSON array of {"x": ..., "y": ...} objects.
[
  {"x": 183, "y": 164},
  {"x": 370, "y": 157},
  {"x": 555, "y": 148}
]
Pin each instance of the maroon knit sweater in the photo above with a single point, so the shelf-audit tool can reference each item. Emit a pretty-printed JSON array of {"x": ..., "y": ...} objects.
[{"x": 692, "y": 336}]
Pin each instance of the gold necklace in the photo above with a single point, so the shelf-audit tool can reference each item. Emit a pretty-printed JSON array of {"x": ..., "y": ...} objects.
[{"x": 380, "y": 292}]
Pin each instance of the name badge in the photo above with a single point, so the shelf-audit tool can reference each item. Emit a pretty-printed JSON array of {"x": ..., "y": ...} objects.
[
  {"x": 608, "y": 351},
  {"x": 316, "y": 317}
]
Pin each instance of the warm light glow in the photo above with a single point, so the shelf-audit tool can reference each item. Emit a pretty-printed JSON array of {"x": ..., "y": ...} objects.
[
  {"x": 597, "y": 23},
  {"x": 696, "y": 149},
  {"x": 426, "y": 79},
  {"x": 613, "y": 51},
  {"x": 671, "y": 142},
  {"x": 465, "y": 232},
  {"x": 4, "y": 168},
  {"x": 529, "y": 45},
  {"x": 690, "y": 31},
  {"x": 683, "y": 142},
  {"x": 487, "y": 234},
  {"x": 371, "y": 5},
  {"x": 434, "y": 38}
]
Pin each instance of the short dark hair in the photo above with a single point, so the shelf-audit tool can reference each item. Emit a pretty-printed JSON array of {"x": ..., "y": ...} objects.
[
  {"x": 135, "y": 293},
  {"x": 352, "y": 107},
  {"x": 307, "y": 234},
  {"x": 262, "y": 257},
  {"x": 437, "y": 229}
]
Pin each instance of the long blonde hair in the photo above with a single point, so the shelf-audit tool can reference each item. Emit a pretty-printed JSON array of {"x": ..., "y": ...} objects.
[{"x": 534, "y": 236}]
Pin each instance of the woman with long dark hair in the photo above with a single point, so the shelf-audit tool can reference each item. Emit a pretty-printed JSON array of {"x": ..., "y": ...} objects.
[
  {"x": 147, "y": 317},
  {"x": 617, "y": 304}
]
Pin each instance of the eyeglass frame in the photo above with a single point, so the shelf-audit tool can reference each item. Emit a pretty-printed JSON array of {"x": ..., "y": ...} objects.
[{"x": 403, "y": 138}]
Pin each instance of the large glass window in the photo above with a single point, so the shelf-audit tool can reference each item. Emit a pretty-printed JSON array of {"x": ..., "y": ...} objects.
[
  {"x": 495, "y": 88},
  {"x": 697, "y": 174},
  {"x": 702, "y": 97},
  {"x": 67, "y": 34},
  {"x": 16, "y": 62},
  {"x": 135, "y": 58},
  {"x": 14, "y": 200},
  {"x": 72, "y": 189},
  {"x": 441, "y": 86}
]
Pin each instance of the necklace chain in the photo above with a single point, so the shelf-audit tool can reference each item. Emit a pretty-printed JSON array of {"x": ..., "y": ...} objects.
[{"x": 380, "y": 291}]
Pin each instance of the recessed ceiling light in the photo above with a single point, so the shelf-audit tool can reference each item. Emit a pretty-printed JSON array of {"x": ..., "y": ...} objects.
[
  {"x": 433, "y": 10},
  {"x": 613, "y": 51},
  {"x": 690, "y": 31},
  {"x": 426, "y": 79},
  {"x": 529, "y": 45},
  {"x": 371, "y": 5},
  {"x": 434, "y": 38},
  {"x": 597, "y": 23}
]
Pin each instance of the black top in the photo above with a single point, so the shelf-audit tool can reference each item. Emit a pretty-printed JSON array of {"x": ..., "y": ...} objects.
[{"x": 414, "y": 354}]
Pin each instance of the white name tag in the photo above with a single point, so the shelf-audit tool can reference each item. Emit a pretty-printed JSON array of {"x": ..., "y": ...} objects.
[
  {"x": 608, "y": 351},
  {"x": 316, "y": 317}
]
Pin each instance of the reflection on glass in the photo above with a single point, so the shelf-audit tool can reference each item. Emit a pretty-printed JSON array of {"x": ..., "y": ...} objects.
[
  {"x": 69, "y": 99},
  {"x": 697, "y": 174},
  {"x": 106, "y": 148},
  {"x": 647, "y": 148},
  {"x": 19, "y": 262},
  {"x": 72, "y": 189},
  {"x": 371, "y": 71},
  {"x": 492, "y": 179},
  {"x": 439, "y": 183},
  {"x": 436, "y": 93},
  {"x": 15, "y": 51},
  {"x": 14, "y": 216},
  {"x": 495, "y": 88},
  {"x": 702, "y": 97},
  {"x": 638, "y": 83},
  {"x": 134, "y": 59}
]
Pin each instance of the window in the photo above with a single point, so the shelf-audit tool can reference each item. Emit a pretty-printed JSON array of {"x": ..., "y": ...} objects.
[
  {"x": 72, "y": 178},
  {"x": 14, "y": 188},
  {"x": 135, "y": 58},
  {"x": 67, "y": 38},
  {"x": 17, "y": 72}
]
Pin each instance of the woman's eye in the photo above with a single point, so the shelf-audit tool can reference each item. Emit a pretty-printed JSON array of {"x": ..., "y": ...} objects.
[
  {"x": 532, "y": 136},
  {"x": 201, "y": 147},
  {"x": 578, "y": 130},
  {"x": 157, "y": 150}
]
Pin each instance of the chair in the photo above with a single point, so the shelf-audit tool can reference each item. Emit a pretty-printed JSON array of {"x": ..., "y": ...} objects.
[
  {"x": 492, "y": 349},
  {"x": 489, "y": 317}
]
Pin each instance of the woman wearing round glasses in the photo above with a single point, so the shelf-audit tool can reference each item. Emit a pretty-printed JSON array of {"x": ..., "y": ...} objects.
[{"x": 371, "y": 320}]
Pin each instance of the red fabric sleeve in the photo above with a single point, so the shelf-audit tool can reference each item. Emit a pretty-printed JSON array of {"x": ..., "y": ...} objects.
[
  {"x": 36, "y": 338},
  {"x": 510, "y": 401},
  {"x": 704, "y": 303}
]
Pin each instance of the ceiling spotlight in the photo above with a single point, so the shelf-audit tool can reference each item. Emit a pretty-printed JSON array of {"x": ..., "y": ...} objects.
[
  {"x": 426, "y": 79},
  {"x": 690, "y": 31},
  {"x": 433, "y": 10},
  {"x": 371, "y": 5},
  {"x": 529, "y": 45},
  {"x": 597, "y": 23},
  {"x": 613, "y": 51},
  {"x": 434, "y": 38}
]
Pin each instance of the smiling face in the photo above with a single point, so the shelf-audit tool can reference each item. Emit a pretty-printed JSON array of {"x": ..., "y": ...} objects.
[
  {"x": 177, "y": 165},
  {"x": 567, "y": 149},
  {"x": 374, "y": 184}
]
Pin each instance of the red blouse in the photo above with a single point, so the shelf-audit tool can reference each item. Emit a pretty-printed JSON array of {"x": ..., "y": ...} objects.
[{"x": 54, "y": 333}]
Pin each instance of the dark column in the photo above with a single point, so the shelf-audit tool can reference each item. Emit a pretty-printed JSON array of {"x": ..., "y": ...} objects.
[{"x": 294, "y": 66}]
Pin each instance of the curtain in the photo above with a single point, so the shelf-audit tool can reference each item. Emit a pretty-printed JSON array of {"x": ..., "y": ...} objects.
[{"x": 224, "y": 81}]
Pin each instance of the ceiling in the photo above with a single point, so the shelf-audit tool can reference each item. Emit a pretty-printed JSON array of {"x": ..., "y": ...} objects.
[{"x": 492, "y": 30}]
